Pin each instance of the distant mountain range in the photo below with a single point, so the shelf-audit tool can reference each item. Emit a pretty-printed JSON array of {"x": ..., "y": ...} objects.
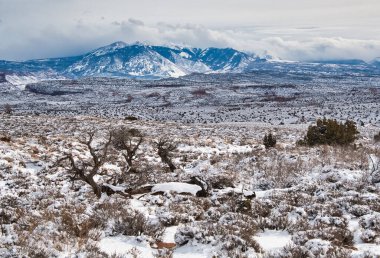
[
  {"x": 138, "y": 60},
  {"x": 151, "y": 62}
]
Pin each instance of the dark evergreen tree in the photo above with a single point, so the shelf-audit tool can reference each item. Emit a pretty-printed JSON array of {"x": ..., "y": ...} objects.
[
  {"x": 331, "y": 132},
  {"x": 269, "y": 140}
]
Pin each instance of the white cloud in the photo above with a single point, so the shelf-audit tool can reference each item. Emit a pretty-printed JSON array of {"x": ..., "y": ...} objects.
[
  {"x": 294, "y": 30},
  {"x": 322, "y": 48},
  {"x": 254, "y": 40}
]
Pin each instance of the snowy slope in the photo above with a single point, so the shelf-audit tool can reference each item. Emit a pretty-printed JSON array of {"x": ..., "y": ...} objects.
[
  {"x": 138, "y": 60},
  {"x": 120, "y": 59}
]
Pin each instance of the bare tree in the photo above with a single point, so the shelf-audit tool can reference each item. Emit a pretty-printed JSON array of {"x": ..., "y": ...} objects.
[
  {"x": 85, "y": 170},
  {"x": 374, "y": 168},
  {"x": 165, "y": 148},
  {"x": 127, "y": 141}
]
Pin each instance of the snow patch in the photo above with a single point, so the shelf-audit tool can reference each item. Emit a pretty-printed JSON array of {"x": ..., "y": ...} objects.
[
  {"x": 184, "y": 55},
  {"x": 168, "y": 236},
  {"x": 273, "y": 239},
  {"x": 123, "y": 245},
  {"x": 177, "y": 187}
]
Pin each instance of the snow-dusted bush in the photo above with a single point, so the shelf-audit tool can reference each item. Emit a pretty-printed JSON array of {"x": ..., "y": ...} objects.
[
  {"x": 276, "y": 170},
  {"x": 370, "y": 222},
  {"x": 47, "y": 232},
  {"x": 233, "y": 233},
  {"x": 291, "y": 251},
  {"x": 183, "y": 209},
  {"x": 228, "y": 202},
  {"x": 186, "y": 233},
  {"x": 369, "y": 236},
  {"x": 318, "y": 247},
  {"x": 76, "y": 224},
  {"x": 313, "y": 248},
  {"x": 371, "y": 226},
  {"x": 323, "y": 248},
  {"x": 119, "y": 218},
  {"x": 179, "y": 212},
  {"x": 236, "y": 246},
  {"x": 221, "y": 181},
  {"x": 338, "y": 236},
  {"x": 326, "y": 228},
  {"x": 213, "y": 214},
  {"x": 324, "y": 209},
  {"x": 136, "y": 224},
  {"x": 261, "y": 208},
  {"x": 359, "y": 210}
]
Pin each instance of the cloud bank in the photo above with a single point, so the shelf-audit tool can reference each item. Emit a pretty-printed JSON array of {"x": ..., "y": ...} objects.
[{"x": 296, "y": 30}]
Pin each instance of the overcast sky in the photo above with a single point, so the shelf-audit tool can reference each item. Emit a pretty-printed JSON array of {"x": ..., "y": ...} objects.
[{"x": 288, "y": 29}]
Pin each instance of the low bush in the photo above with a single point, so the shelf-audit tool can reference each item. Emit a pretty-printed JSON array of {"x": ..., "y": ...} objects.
[
  {"x": 5, "y": 138},
  {"x": 136, "y": 224},
  {"x": 233, "y": 232},
  {"x": 131, "y": 118}
]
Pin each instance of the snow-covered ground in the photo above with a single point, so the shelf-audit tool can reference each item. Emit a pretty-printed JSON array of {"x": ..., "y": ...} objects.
[
  {"x": 309, "y": 201},
  {"x": 273, "y": 239},
  {"x": 289, "y": 98}
]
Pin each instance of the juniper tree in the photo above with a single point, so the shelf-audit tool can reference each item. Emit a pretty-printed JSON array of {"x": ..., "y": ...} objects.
[
  {"x": 331, "y": 132},
  {"x": 269, "y": 140}
]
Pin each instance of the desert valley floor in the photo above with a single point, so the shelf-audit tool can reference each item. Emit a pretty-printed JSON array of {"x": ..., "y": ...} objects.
[{"x": 226, "y": 194}]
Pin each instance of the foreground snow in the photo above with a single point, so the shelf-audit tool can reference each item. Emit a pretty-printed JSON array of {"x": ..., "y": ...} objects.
[
  {"x": 318, "y": 201},
  {"x": 273, "y": 239}
]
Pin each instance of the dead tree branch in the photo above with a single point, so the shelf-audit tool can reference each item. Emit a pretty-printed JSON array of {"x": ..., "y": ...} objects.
[
  {"x": 128, "y": 141},
  {"x": 165, "y": 148},
  {"x": 85, "y": 170}
]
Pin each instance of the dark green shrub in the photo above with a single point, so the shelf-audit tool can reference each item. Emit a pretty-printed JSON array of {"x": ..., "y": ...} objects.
[
  {"x": 330, "y": 132},
  {"x": 8, "y": 109},
  {"x": 269, "y": 140},
  {"x": 5, "y": 138},
  {"x": 131, "y": 118},
  {"x": 377, "y": 137}
]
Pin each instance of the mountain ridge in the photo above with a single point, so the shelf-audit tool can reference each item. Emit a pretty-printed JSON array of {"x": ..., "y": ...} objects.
[
  {"x": 120, "y": 59},
  {"x": 141, "y": 60}
]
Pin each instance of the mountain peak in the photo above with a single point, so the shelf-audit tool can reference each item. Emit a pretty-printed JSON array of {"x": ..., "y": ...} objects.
[
  {"x": 139, "y": 59},
  {"x": 119, "y": 44},
  {"x": 139, "y": 43}
]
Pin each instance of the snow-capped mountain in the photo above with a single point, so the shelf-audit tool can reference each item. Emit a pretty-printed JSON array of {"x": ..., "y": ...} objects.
[
  {"x": 376, "y": 62},
  {"x": 137, "y": 60},
  {"x": 140, "y": 60},
  {"x": 120, "y": 59}
]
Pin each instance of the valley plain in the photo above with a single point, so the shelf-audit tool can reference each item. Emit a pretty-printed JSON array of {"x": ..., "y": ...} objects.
[{"x": 228, "y": 196}]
